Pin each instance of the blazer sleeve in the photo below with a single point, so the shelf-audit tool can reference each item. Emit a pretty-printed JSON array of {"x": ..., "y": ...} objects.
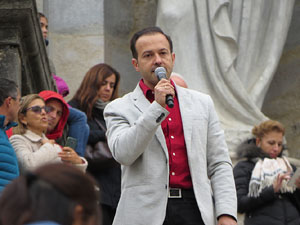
[
  {"x": 219, "y": 166},
  {"x": 242, "y": 175},
  {"x": 30, "y": 159},
  {"x": 127, "y": 139}
]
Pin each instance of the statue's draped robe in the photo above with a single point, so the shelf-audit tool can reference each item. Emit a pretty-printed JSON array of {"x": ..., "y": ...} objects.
[{"x": 230, "y": 50}]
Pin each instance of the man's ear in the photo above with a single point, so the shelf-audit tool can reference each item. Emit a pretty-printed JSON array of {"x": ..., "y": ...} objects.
[
  {"x": 135, "y": 64},
  {"x": 173, "y": 58},
  {"x": 7, "y": 102}
]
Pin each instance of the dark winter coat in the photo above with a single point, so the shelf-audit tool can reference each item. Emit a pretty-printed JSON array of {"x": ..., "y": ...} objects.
[
  {"x": 269, "y": 208},
  {"x": 108, "y": 174}
]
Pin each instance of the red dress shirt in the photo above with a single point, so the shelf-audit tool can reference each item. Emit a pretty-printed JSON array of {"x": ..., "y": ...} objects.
[{"x": 180, "y": 176}]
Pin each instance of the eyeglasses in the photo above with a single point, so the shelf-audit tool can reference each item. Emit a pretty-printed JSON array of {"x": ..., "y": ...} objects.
[
  {"x": 38, "y": 109},
  {"x": 53, "y": 109}
]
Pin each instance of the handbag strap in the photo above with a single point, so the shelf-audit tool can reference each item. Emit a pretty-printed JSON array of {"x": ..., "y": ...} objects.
[{"x": 100, "y": 124}]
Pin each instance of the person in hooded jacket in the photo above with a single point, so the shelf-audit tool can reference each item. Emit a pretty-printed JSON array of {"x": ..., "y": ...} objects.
[
  {"x": 59, "y": 115},
  {"x": 262, "y": 179},
  {"x": 99, "y": 87}
]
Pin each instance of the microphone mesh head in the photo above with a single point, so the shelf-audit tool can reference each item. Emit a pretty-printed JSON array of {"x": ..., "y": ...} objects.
[{"x": 160, "y": 72}]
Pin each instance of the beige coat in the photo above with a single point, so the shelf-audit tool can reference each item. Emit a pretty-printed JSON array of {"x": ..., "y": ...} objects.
[{"x": 31, "y": 153}]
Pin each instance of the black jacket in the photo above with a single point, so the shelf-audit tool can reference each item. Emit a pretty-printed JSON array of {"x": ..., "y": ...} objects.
[
  {"x": 269, "y": 208},
  {"x": 108, "y": 174}
]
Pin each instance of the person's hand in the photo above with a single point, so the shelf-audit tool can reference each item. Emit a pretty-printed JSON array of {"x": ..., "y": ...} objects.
[
  {"x": 226, "y": 220},
  {"x": 161, "y": 90},
  {"x": 278, "y": 181},
  {"x": 68, "y": 155},
  {"x": 44, "y": 141}
]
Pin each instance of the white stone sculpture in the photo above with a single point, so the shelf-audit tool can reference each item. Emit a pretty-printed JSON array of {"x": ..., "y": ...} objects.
[{"x": 230, "y": 50}]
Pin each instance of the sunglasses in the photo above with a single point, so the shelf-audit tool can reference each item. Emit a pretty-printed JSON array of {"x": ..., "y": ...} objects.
[{"x": 38, "y": 109}]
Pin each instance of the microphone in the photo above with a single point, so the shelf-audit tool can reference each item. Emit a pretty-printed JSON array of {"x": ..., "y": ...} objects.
[{"x": 160, "y": 72}]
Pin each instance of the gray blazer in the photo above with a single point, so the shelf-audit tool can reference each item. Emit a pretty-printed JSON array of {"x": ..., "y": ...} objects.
[{"x": 137, "y": 142}]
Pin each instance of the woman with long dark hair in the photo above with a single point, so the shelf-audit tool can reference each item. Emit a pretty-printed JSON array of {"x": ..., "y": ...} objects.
[{"x": 100, "y": 86}]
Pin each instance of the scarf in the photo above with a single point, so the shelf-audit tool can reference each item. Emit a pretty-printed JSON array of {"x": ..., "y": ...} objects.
[
  {"x": 99, "y": 104},
  {"x": 264, "y": 173}
]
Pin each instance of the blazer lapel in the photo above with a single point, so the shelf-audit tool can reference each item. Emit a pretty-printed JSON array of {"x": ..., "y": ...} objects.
[
  {"x": 139, "y": 100},
  {"x": 141, "y": 103}
]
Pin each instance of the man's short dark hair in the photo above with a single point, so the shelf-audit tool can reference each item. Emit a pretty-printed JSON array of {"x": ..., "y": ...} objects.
[
  {"x": 41, "y": 15},
  {"x": 145, "y": 31},
  {"x": 8, "y": 88}
]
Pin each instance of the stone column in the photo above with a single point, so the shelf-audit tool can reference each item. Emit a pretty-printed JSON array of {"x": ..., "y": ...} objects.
[
  {"x": 121, "y": 20},
  {"x": 76, "y": 38},
  {"x": 23, "y": 55}
]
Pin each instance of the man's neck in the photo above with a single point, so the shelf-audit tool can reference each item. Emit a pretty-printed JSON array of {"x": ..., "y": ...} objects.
[{"x": 4, "y": 113}]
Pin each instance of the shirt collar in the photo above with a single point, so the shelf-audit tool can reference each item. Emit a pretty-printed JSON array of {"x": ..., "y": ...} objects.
[{"x": 149, "y": 94}]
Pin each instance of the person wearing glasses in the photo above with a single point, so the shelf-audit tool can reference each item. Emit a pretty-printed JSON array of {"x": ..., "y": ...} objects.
[
  {"x": 31, "y": 145},
  {"x": 9, "y": 107}
]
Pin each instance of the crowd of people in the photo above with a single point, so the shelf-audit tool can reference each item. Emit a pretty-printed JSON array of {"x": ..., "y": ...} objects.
[{"x": 168, "y": 165}]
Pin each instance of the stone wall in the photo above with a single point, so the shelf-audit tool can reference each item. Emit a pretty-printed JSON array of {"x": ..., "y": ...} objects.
[
  {"x": 76, "y": 37},
  {"x": 122, "y": 20},
  {"x": 283, "y": 99}
]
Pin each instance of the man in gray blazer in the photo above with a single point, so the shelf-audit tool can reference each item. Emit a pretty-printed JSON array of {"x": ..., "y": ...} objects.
[{"x": 175, "y": 163}]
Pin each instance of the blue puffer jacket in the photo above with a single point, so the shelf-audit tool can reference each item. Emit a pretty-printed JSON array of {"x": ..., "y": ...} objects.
[{"x": 9, "y": 168}]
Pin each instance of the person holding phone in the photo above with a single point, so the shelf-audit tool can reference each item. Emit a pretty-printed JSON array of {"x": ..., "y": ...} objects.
[
  {"x": 31, "y": 145},
  {"x": 262, "y": 179}
]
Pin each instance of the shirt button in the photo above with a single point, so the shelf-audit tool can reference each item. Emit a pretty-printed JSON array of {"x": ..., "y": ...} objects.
[
  {"x": 170, "y": 119},
  {"x": 174, "y": 153},
  {"x": 172, "y": 137},
  {"x": 173, "y": 173}
]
